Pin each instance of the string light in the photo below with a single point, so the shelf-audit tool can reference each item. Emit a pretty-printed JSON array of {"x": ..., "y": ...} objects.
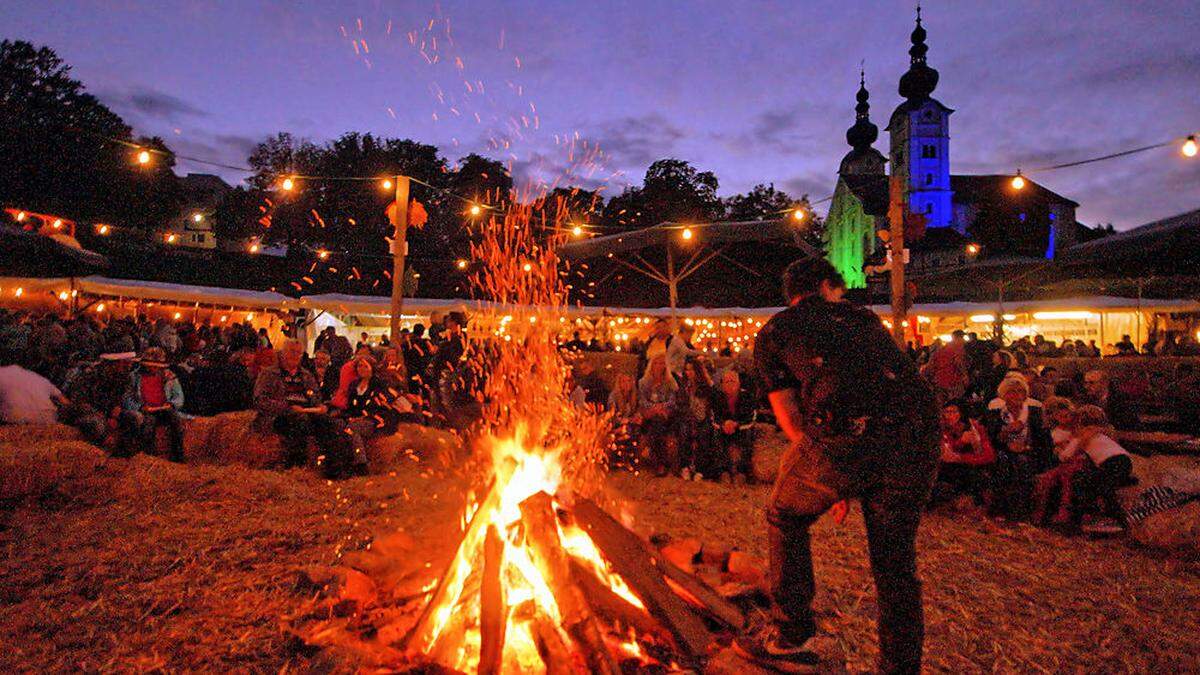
[
  {"x": 461, "y": 264},
  {"x": 20, "y": 291},
  {"x": 63, "y": 295},
  {"x": 972, "y": 248},
  {"x": 197, "y": 217},
  {"x": 1189, "y": 148},
  {"x": 577, "y": 231},
  {"x": 103, "y": 230},
  {"x": 253, "y": 247},
  {"x": 687, "y": 234},
  {"x": 178, "y": 315},
  {"x": 475, "y": 210},
  {"x": 143, "y": 157},
  {"x": 386, "y": 184},
  {"x": 57, "y": 224},
  {"x": 171, "y": 238},
  {"x": 100, "y": 308},
  {"x": 1018, "y": 181},
  {"x": 250, "y": 316},
  {"x": 527, "y": 267},
  {"x": 20, "y": 216},
  {"x": 288, "y": 184},
  {"x": 798, "y": 215},
  {"x": 323, "y": 254}
]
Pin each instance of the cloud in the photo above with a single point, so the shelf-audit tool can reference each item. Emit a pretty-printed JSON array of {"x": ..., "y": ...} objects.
[
  {"x": 636, "y": 141},
  {"x": 151, "y": 103}
]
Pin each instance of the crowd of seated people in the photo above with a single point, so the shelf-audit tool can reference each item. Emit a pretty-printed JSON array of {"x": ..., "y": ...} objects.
[{"x": 120, "y": 381}]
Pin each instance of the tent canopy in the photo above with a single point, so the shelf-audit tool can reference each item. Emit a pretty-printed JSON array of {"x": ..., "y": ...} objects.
[{"x": 661, "y": 234}]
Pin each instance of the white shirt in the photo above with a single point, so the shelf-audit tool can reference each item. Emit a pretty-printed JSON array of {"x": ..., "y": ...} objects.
[
  {"x": 1099, "y": 449},
  {"x": 26, "y": 397}
]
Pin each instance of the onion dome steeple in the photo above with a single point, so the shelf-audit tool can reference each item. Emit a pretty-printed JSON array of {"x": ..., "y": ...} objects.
[
  {"x": 920, "y": 80},
  {"x": 863, "y": 133}
]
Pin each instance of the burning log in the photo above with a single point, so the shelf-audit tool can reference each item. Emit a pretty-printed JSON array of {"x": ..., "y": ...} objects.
[
  {"x": 551, "y": 647},
  {"x": 705, "y": 596},
  {"x": 493, "y": 615},
  {"x": 440, "y": 607},
  {"x": 541, "y": 535},
  {"x": 632, "y": 560},
  {"x": 613, "y": 607}
]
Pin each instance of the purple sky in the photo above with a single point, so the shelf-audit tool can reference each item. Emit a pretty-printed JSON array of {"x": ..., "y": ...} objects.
[{"x": 754, "y": 91}]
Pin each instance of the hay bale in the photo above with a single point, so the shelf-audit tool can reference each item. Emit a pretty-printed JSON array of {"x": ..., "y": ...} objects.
[
  {"x": 231, "y": 438},
  {"x": 38, "y": 469},
  {"x": 1174, "y": 529},
  {"x": 769, "y": 446},
  {"x": 412, "y": 443},
  {"x": 31, "y": 434}
]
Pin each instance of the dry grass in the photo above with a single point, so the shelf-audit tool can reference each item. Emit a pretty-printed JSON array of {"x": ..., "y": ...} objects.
[{"x": 138, "y": 565}]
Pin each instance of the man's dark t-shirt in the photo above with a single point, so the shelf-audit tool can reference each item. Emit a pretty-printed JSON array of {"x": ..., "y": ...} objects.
[{"x": 845, "y": 367}]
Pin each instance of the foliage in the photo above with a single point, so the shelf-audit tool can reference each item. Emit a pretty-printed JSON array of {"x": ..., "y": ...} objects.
[
  {"x": 672, "y": 191},
  {"x": 56, "y": 154}
]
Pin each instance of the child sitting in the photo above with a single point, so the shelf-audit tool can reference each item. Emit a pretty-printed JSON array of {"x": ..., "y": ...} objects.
[
  {"x": 1057, "y": 481},
  {"x": 1108, "y": 467}
]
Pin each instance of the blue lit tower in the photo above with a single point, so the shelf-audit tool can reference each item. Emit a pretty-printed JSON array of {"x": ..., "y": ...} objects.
[{"x": 920, "y": 138}]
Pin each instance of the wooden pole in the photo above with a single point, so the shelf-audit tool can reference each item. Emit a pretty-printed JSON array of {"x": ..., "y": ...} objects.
[
  {"x": 399, "y": 216},
  {"x": 672, "y": 286},
  {"x": 493, "y": 615},
  {"x": 896, "y": 212}
]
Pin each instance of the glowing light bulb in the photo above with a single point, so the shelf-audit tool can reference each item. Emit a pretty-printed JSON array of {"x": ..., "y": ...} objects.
[
  {"x": 224, "y": 318},
  {"x": 972, "y": 248},
  {"x": 386, "y": 184},
  {"x": 1018, "y": 181},
  {"x": 57, "y": 224},
  {"x": 20, "y": 292},
  {"x": 100, "y": 308},
  {"x": 178, "y": 315},
  {"x": 577, "y": 231},
  {"x": 1189, "y": 148},
  {"x": 687, "y": 234},
  {"x": 197, "y": 217},
  {"x": 63, "y": 296},
  {"x": 475, "y": 209},
  {"x": 799, "y": 215},
  {"x": 254, "y": 248},
  {"x": 527, "y": 267},
  {"x": 288, "y": 184},
  {"x": 250, "y": 316},
  {"x": 103, "y": 230},
  {"x": 171, "y": 238},
  {"x": 20, "y": 216},
  {"x": 323, "y": 254},
  {"x": 461, "y": 264},
  {"x": 143, "y": 157}
]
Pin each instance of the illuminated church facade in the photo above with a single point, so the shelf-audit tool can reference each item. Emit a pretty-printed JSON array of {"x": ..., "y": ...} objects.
[{"x": 958, "y": 209}]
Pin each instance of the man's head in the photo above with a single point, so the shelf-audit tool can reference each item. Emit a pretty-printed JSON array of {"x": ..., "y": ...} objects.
[
  {"x": 1095, "y": 383},
  {"x": 812, "y": 276},
  {"x": 662, "y": 328},
  {"x": 322, "y": 359},
  {"x": 290, "y": 354},
  {"x": 584, "y": 368},
  {"x": 731, "y": 382},
  {"x": 957, "y": 336}
]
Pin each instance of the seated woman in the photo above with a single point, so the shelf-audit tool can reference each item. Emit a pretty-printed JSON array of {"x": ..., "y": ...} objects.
[
  {"x": 1108, "y": 467},
  {"x": 658, "y": 408},
  {"x": 966, "y": 459},
  {"x": 371, "y": 410},
  {"x": 733, "y": 415},
  {"x": 623, "y": 404},
  {"x": 1018, "y": 432},
  {"x": 1052, "y": 488},
  {"x": 694, "y": 413}
]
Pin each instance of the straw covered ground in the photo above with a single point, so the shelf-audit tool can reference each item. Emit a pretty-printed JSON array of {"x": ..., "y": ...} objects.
[{"x": 141, "y": 565}]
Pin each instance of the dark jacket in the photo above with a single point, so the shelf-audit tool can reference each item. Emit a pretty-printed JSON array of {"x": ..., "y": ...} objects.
[
  {"x": 271, "y": 392},
  {"x": 744, "y": 413},
  {"x": 1040, "y": 444}
]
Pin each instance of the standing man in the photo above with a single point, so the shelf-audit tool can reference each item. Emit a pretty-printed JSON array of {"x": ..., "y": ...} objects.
[{"x": 863, "y": 425}]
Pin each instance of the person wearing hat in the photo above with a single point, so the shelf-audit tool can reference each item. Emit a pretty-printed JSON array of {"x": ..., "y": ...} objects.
[
  {"x": 863, "y": 424},
  {"x": 153, "y": 399}
]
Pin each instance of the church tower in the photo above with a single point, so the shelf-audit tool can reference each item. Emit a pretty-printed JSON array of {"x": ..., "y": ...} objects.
[
  {"x": 863, "y": 159},
  {"x": 920, "y": 138}
]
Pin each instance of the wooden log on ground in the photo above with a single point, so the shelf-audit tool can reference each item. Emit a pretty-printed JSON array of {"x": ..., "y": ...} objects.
[
  {"x": 723, "y": 610},
  {"x": 628, "y": 555},
  {"x": 541, "y": 536},
  {"x": 613, "y": 607},
  {"x": 493, "y": 614},
  {"x": 441, "y": 604}
]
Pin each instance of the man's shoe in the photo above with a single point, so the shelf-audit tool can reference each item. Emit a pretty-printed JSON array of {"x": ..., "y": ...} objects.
[{"x": 771, "y": 649}]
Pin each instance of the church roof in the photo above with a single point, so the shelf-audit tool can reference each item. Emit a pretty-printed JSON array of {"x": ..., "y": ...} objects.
[
  {"x": 871, "y": 190},
  {"x": 971, "y": 189},
  {"x": 906, "y": 107}
]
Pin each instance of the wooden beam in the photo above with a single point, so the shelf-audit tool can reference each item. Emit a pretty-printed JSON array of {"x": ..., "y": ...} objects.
[
  {"x": 545, "y": 546},
  {"x": 493, "y": 614},
  {"x": 613, "y": 607},
  {"x": 626, "y": 553}
]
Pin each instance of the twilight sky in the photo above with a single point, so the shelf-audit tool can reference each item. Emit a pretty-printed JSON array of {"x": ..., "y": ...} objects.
[{"x": 756, "y": 91}]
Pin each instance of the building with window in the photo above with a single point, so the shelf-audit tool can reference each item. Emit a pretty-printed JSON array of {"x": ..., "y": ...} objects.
[{"x": 984, "y": 212}]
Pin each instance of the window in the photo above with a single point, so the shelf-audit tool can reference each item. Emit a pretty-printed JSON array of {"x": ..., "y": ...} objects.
[
  {"x": 1022, "y": 216},
  {"x": 929, "y": 151},
  {"x": 929, "y": 179},
  {"x": 929, "y": 208}
]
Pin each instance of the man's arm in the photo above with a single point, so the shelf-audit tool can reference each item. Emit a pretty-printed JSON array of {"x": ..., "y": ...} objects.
[{"x": 786, "y": 405}]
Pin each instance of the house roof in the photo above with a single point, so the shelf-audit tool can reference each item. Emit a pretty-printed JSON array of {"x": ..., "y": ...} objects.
[
  {"x": 1139, "y": 240},
  {"x": 908, "y": 106},
  {"x": 994, "y": 187},
  {"x": 872, "y": 191}
]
